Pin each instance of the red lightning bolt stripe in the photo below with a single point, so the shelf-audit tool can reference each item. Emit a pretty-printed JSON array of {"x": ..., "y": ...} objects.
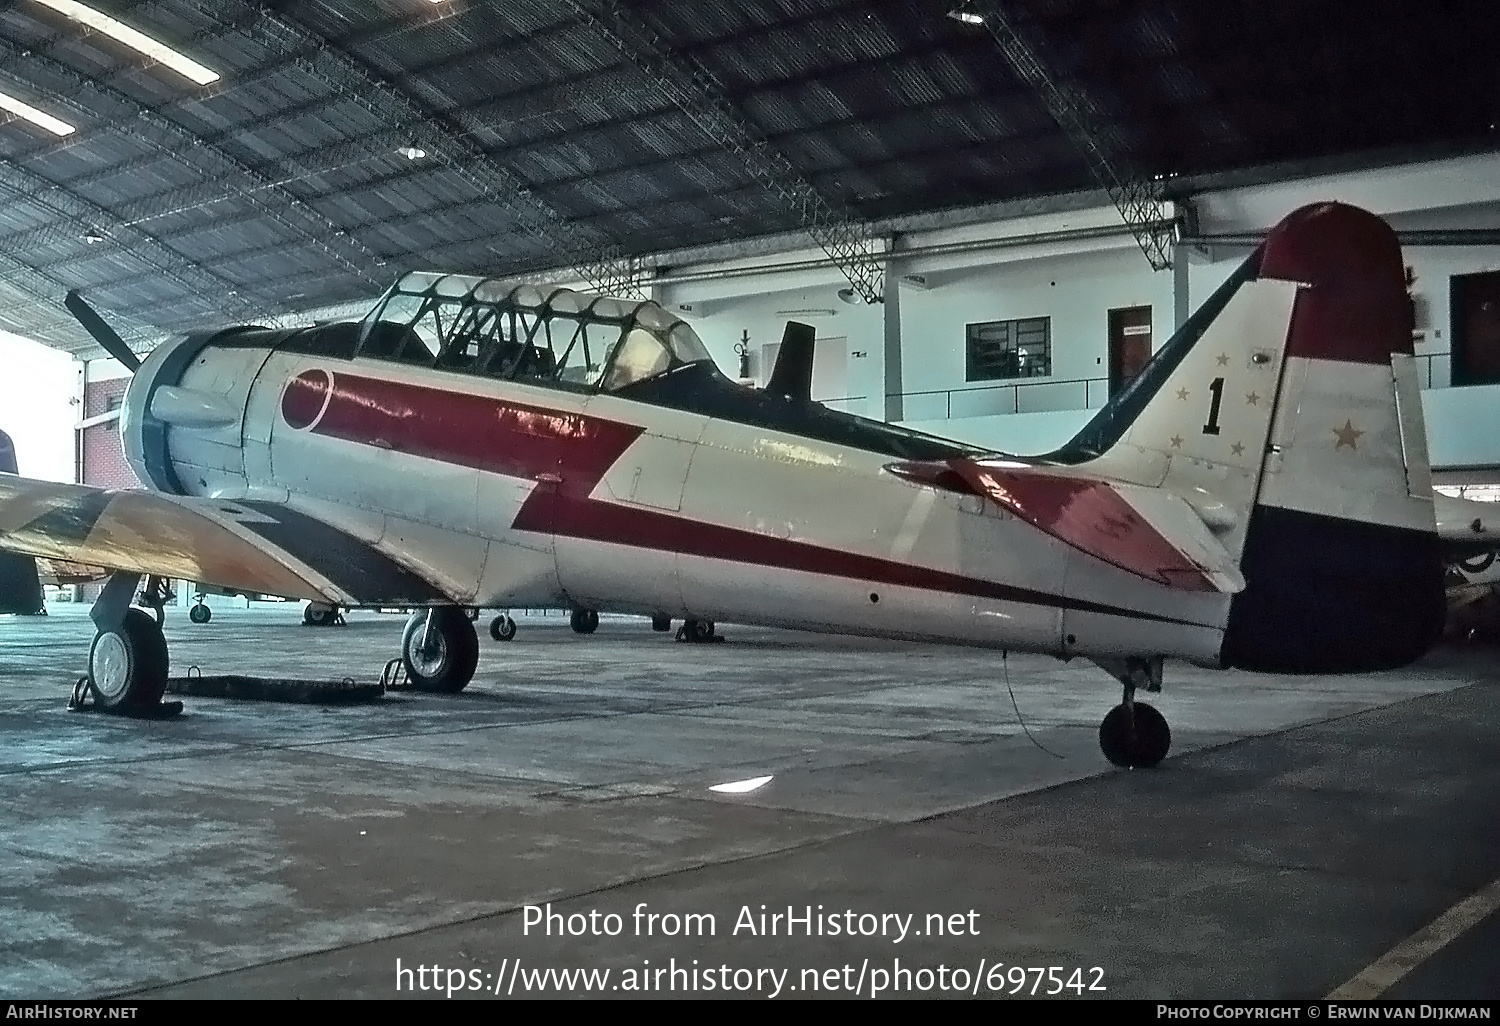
[{"x": 519, "y": 440}]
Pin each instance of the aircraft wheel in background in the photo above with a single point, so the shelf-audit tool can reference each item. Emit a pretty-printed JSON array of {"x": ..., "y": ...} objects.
[
  {"x": 441, "y": 655},
  {"x": 318, "y": 615},
  {"x": 584, "y": 621},
  {"x": 128, "y": 664},
  {"x": 200, "y": 613},
  {"x": 502, "y": 628},
  {"x": 661, "y": 624},
  {"x": 696, "y": 631},
  {"x": 1140, "y": 740}
]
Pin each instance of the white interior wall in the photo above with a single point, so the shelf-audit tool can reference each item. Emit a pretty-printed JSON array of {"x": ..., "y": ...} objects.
[{"x": 1076, "y": 283}]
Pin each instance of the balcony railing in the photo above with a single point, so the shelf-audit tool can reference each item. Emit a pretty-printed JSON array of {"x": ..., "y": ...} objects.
[
  {"x": 1434, "y": 369},
  {"x": 1046, "y": 395},
  {"x": 1042, "y": 396}
]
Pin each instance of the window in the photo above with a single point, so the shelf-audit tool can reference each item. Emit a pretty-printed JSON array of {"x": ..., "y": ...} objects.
[{"x": 1000, "y": 350}]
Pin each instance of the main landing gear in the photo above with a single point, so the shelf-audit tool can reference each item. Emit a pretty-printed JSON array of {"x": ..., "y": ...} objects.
[
  {"x": 128, "y": 659},
  {"x": 440, "y": 649},
  {"x": 1134, "y": 734},
  {"x": 584, "y": 621}
]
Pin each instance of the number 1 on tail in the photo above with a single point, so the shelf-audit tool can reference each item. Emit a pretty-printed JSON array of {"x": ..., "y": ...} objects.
[{"x": 1217, "y": 388}]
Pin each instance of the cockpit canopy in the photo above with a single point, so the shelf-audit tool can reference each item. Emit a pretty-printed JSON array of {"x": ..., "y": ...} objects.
[{"x": 509, "y": 329}]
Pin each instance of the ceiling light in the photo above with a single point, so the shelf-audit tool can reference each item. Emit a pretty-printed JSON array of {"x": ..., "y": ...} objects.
[
  {"x": 966, "y": 13},
  {"x": 135, "y": 39},
  {"x": 412, "y": 152},
  {"x": 41, "y": 119},
  {"x": 741, "y": 786}
]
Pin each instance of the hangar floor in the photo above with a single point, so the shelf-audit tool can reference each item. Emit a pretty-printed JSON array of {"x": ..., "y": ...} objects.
[{"x": 1302, "y": 827}]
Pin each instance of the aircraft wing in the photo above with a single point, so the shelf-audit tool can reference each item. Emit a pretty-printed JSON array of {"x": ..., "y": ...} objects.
[
  {"x": 1150, "y": 532},
  {"x": 254, "y": 547}
]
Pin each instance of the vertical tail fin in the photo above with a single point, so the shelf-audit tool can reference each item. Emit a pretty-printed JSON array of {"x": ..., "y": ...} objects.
[
  {"x": 1286, "y": 411},
  {"x": 1343, "y": 561}
]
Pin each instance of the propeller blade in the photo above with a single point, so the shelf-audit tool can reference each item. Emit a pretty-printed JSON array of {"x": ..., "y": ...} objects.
[{"x": 92, "y": 323}]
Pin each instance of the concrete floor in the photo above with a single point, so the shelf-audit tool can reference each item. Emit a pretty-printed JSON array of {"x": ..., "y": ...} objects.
[{"x": 1302, "y": 827}]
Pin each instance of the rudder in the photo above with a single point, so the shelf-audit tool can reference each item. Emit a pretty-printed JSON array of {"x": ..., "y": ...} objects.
[{"x": 1342, "y": 562}]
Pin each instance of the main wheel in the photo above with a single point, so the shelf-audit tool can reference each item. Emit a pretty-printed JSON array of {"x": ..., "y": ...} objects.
[
  {"x": 1141, "y": 742},
  {"x": 502, "y": 628},
  {"x": 584, "y": 621},
  {"x": 200, "y": 613},
  {"x": 661, "y": 624},
  {"x": 441, "y": 656},
  {"x": 128, "y": 665}
]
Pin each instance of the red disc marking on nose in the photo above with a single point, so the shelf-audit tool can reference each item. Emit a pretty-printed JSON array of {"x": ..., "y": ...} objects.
[{"x": 306, "y": 397}]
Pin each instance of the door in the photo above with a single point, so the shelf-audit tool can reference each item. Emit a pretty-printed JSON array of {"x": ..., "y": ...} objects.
[
  {"x": 1129, "y": 344},
  {"x": 1475, "y": 305}
]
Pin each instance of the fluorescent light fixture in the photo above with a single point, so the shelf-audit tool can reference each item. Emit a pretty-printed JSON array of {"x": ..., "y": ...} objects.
[
  {"x": 41, "y": 119},
  {"x": 133, "y": 38},
  {"x": 742, "y": 786}
]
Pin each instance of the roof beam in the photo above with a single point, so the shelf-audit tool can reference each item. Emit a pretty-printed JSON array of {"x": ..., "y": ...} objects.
[
  {"x": 690, "y": 85},
  {"x": 1142, "y": 201},
  {"x": 167, "y": 138},
  {"x": 597, "y": 259}
]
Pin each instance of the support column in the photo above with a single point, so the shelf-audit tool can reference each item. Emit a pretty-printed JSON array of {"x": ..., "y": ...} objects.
[
  {"x": 891, "y": 365},
  {"x": 1181, "y": 306}
]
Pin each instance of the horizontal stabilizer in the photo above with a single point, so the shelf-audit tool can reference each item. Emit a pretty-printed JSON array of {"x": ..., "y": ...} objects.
[
  {"x": 1150, "y": 532},
  {"x": 1466, "y": 526}
]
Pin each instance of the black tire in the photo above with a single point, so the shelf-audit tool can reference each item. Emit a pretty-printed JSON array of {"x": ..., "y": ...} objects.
[
  {"x": 1139, "y": 745},
  {"x": 502, "y": 628},
  {"x": 316, "y": 615},
  {"x": 661, "y": 624},
  {"x": 200, "y": 613},
  {"x": 584, "y": 621},
  {"x": 452, "y": 653},
  {"x": 697, "y": 630},
  {"x": 128, "y": 665}
]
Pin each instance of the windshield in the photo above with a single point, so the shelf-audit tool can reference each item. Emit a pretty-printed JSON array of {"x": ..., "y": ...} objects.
[{"x": 643, "y": 355}]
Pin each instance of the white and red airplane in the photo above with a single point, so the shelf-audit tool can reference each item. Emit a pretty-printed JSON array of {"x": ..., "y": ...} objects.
[{"x": 1259, "y": 497}]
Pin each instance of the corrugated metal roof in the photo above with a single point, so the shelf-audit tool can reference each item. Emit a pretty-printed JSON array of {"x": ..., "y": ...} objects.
[{"x": 283, "y": 184}]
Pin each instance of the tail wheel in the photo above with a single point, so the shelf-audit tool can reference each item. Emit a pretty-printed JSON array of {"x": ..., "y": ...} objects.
[
  {"x": 584, "y": 621},
  {"x": 502, "y": 628},
  {"x": 128, "y": 664},
  {"x": 440, "y": 651},
  {"x": 1135, "y": 735}
]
